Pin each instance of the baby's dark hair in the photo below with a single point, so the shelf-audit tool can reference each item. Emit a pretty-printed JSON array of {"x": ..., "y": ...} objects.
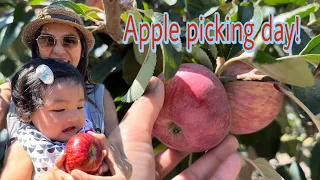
[{"x": 28, "y": 90}]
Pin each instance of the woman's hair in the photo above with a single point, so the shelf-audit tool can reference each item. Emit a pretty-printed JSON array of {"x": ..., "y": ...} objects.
[
  {"x": 28, "y": 90},
  {"x": 83, "y": 63}
]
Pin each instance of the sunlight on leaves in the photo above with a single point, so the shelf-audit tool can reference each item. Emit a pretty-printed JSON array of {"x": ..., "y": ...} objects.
[{"x": 141, "y": 81}]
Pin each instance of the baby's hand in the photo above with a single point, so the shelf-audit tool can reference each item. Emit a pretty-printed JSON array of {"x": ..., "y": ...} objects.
[
  {"x": 116, "y": 166},
  {"x": 59, "y": 171}
]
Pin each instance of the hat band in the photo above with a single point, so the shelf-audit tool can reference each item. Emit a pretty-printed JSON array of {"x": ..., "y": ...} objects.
[{"x": 64, "y": 17}]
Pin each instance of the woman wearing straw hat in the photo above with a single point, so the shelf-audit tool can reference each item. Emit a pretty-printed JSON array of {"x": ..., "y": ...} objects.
[{"x": 59, "y": 33}]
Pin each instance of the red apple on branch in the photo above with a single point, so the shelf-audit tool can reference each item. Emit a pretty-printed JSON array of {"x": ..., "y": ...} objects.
[
  {"x": 83, "y": 152},
  {"x": 254, "y": 104},
  {"x": 196, "y": 114}
]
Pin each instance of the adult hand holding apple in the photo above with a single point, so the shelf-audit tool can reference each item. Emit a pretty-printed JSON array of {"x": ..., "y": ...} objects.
[
  {"x": 82, "y": 154},
  {"x": 133, "y": 137}
]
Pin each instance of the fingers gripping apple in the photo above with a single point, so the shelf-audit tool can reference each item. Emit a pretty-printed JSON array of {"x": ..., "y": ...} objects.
[
  {"x": 83, "y": 152},
  {"x": 196, "y": 114}
]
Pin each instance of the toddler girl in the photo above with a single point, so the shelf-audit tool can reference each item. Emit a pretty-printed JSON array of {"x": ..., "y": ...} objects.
[{"x": 49, "y": 96}]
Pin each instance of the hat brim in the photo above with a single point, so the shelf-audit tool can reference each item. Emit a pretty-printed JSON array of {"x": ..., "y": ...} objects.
[{"x": 29, "y": 31}]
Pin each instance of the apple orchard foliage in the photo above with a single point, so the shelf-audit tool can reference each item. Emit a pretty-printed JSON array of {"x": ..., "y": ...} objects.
[{"x": 281, "y": 123}]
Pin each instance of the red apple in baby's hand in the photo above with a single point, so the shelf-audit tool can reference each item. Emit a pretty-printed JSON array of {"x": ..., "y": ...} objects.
[
  {"x": 83, "y": 152},
  {"x": 196, "y": 115}
]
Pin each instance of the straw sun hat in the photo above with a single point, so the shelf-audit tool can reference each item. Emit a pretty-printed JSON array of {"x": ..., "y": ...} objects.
[{"x": 56, "y": 14}]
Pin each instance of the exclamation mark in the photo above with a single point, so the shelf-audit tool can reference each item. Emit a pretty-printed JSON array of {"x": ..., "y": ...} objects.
[{"x": 298, "y": 21}]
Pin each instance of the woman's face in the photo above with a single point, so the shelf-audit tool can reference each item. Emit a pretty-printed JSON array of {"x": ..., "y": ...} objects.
[{"x": 61, "y": 33}]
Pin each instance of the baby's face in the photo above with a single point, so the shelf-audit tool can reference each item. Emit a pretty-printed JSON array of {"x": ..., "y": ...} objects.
[{"x": 62, "y": 114}]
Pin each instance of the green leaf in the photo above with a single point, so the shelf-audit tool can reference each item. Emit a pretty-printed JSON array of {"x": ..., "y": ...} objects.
[
  {"x": 171, "y": 60},
  {"x": 312, "y": 58},
  {"x": 71, "y": 5},
  {"x": 201, "y": 57},
  {"x": 313, "y": 46},
  {"x": 20, "y": 15},
  {"x": 35, "y": 2},
  {"x": 102, "y": 69},
  {"x": 293, "y": 70},
  {"x": 137, "y": 16},
  {"x": 315, "y": 162},
  {"x": 267, "y": 170},
  {"x": 7, "y": 67},
  {"x": 160, "y": 148},
  {"x": 10, "y": 33},
  {"x": 84, "y": 7},
  {"x": 278, "y": 2},
  {"x": 288, "y": 17},
  {"x": 91, "y": 15},
  {"x": 197, "y": 7},
  {"x": 172, "y": 53},
  {"x": 131, "y": 66},
  {"x": 305, "y": 36},
  {"x": 214, "y": 51},
  {"x": 4, "y": 21},
  {"x": 309, "y": 96},
  {"x": 304, "y": 11},
  {"x": 262, "y": 57},
  {"x": 158, "y": 17},
  {"x": 19, "y": 11},
  {"x": 250, "y": 13},
  {"x": 140, "y": 83},
  {"x": 140, "y": 57},
  {"x": 210, "y": 11}
]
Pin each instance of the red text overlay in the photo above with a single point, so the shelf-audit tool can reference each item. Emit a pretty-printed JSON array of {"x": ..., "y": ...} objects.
[{"x": 212, "y": 32}]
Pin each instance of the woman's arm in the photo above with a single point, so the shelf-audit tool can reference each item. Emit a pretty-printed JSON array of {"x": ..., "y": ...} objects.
[
  {"x": 5, "y": 94},
  {"x": 110, "y": 114},
  {"x": 17, "y": 164}
]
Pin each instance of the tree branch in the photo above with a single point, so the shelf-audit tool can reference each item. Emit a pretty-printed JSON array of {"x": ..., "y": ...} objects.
[{"x": 111, "y": 25}]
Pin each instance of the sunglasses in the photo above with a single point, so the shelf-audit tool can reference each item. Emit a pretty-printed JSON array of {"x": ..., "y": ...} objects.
[{"x": 47, "y": 42}]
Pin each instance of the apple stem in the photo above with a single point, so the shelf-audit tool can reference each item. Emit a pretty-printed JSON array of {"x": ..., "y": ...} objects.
[
  {"x": 219, "y": 61},
  {"x": 246, "y": 77},
  {"x": 285, "y": 90},
  {"x": 252, "y": 164},
  {"x": 250, "y": 76}
]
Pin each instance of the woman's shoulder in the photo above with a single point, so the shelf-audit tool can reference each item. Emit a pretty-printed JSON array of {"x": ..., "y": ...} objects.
[
  {"x": 94, "y": 107},
  {"x": 95, "y": 93},
  {"x": 94, "y": 89}
]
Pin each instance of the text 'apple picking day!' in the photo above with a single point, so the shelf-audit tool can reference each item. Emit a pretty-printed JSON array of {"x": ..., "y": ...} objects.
[{"x": 212, "y": 32}]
